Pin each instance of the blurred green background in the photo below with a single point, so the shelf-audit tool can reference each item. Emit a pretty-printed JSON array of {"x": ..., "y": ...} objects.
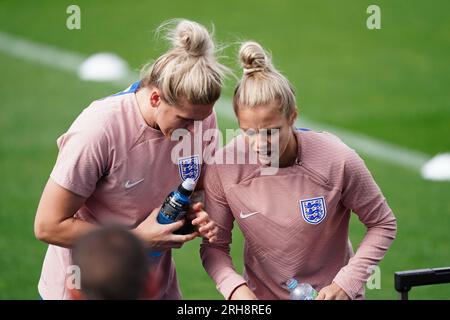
[{"x": 391, "y": 84}]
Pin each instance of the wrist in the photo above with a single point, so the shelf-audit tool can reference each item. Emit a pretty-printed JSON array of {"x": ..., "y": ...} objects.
[
  {"x": 242, "y": 292},
  {"x": 236, "y": 290},
  {"x": 138, "y": 233}
]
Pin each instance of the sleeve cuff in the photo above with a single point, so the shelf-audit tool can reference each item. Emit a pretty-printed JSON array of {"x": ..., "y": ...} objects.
[
  {"x": 66, "y": 184},
  {"x": 350, "y": 286},
  {"x": 228, "y": 285}
]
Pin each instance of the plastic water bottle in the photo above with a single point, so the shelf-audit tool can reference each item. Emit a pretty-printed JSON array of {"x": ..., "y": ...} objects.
[
  {"x": 302, "y": 291},
  {"x": 175, "y": 206}
]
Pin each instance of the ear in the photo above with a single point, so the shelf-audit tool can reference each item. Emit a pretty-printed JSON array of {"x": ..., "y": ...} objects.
[
  {"x": 76, "y": 294},
  {"x": 293, "y": 116},
  {"x": 155, "y": 98}
]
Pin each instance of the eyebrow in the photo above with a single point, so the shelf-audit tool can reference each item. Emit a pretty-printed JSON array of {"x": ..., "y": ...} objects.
[
  {"x": 273, "y": 128},
  {"x": 188, "y": 119}
]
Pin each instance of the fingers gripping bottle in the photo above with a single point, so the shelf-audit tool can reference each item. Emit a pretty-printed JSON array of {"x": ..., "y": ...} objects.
[
  {"x": 175, "y": 206},
  {"x": 302, "y": 291}
]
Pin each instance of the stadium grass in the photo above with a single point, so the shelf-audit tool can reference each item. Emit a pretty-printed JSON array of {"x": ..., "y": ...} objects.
[{"x": 390, "y": 84}]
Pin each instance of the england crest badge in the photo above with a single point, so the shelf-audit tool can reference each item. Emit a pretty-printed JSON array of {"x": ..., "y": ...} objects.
[
  {"x": 189, "y": 167},
  {"x": 313, "y": 210}
]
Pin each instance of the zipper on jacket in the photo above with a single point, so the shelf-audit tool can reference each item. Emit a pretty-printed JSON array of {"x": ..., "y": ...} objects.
[{"x": 312, "y": 172}]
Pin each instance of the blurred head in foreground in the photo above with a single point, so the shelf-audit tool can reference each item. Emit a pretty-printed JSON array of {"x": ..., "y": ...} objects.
[{"x": 112, "y": 263}]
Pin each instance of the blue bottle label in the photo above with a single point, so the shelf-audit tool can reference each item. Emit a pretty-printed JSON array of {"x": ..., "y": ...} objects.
[{"x": 174, "y": 208}]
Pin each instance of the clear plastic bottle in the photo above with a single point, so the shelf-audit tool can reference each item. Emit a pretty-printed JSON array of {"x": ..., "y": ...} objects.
[{"x": 300, "y": 291}]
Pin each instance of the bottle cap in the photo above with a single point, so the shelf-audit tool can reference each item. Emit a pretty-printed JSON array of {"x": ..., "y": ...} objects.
[
  {"x": 291, "y": 284},
  {"x": 189, "y": 184}
]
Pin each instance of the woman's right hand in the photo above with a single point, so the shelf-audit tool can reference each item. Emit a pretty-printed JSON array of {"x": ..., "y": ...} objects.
[
  {"x": 160, "y": 237},
  {"x": 243, "y": 292}
]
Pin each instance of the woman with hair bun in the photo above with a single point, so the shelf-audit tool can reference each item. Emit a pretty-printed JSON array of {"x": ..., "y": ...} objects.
[
  {"x": 115, "y": 162},
  {"x": 294, "y": 219}
]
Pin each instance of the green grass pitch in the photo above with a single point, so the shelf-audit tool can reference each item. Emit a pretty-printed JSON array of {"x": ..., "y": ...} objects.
[{"x": 390, "y": 84}]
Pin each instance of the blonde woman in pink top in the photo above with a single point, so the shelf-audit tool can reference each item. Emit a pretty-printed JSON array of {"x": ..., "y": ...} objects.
[
  {"x": 115, "y": 162},
  {"x": 295, "y": 219}
]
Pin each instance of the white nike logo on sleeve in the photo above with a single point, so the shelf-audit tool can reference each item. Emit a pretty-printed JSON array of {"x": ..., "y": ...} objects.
[
  {"x": 246, "y": 215},
  {"x": 129, "y": 184}
]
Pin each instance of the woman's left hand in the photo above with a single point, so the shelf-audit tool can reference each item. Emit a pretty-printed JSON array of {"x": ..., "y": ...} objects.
[
  {"x": 204, "y": 225},
  {"x": 332, "y": 292}
]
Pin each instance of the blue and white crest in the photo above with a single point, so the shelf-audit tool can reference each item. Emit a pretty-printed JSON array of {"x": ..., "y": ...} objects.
[
  {"x": 313, "y": 210},
  {"x": 189, "y": 167}
]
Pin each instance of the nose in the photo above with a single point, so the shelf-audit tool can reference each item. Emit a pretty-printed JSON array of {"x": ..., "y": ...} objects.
[
  {"x": 260, "y": 143},
  {"x": 190, "y": 126}
]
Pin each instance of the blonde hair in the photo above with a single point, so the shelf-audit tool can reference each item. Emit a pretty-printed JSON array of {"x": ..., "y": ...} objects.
[
  {"x": 189, "y": 68},
  {"x": 261, "y": 83}
]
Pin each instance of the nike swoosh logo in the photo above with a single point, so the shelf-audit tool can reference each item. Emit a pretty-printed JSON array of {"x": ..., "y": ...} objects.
[
  {"x": 129, "y": 184},
  {"x": 246, "y": 215}
]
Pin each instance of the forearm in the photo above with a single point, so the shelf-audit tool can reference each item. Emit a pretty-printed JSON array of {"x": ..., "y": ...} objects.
[
  {"x": 361, "y": 194},
  {"x": 219, "y": 265},
  {"x": 63, "y": 233},
  {"x": 372, "y": 249}
]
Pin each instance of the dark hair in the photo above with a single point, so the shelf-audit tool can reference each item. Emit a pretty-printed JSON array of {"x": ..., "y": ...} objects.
[{"x": 113, "y": 264}]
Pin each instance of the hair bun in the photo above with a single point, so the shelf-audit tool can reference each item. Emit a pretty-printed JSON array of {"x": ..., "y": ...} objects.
[
  {"x": 253, "y": 58},
  {"x": 192, "y": 38}
]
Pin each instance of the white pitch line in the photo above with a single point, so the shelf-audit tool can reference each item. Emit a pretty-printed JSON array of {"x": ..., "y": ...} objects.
[
  {"x": 48, "y": 55},
  {"x": 39, "y": 53},
  {"x": 365, "y": 145},
  {"x": 69, "y": 61},
  {"x": 374, "y": 148}
]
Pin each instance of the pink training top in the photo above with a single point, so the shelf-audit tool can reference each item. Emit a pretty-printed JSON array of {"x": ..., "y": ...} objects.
[
  {"x": 123, "y": 167},
  {"x": 295, "y": 223}
]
